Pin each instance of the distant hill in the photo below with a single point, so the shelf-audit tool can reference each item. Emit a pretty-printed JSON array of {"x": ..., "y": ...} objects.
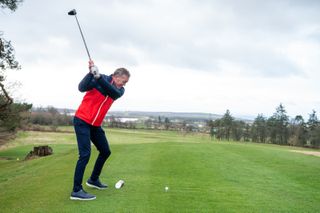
[
  {"x": 195, "y": 116},
  {"x": 170, "y": 115}
]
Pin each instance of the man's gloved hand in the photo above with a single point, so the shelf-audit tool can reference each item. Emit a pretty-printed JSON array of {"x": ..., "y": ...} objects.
[{"x": 94, "y": 70}]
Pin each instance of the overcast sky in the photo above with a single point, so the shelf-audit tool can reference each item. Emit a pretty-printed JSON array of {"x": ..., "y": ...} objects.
[{"x": 184, "y": 56}]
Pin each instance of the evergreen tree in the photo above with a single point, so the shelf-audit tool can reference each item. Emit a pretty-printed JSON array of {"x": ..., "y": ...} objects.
[
  {"x": 278, "y": 126},
  {"x": 313, "y": 126},
  {"x": 259, "y": 129},
  {"x": 313, "y": 121},
  {"x": 226, "y": 124}
]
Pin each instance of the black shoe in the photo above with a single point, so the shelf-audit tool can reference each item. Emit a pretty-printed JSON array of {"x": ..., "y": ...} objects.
[
  {"x": 96, "y": 184},
  {"x": 82, "y": 195}
]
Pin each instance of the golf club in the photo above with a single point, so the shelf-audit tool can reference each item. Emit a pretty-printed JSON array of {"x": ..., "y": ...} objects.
[{"x": 74, "y": 13}]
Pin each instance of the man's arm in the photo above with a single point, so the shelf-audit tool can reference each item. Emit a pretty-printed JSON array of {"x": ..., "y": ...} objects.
[
  {"x": 85, "y": 84},
  {"x": 110, "y": 89}
]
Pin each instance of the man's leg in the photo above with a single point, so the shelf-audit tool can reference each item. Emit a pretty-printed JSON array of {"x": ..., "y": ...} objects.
[
  {"x": 82, "y": 130},
  {"x": 99, "y": 139}
]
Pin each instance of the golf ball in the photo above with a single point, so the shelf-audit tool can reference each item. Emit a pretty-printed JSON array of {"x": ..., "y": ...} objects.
[{"x": 166, "y": 188}]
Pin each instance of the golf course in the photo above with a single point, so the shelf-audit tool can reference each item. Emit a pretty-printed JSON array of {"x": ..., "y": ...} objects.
[{"x": 202, "y": 175}]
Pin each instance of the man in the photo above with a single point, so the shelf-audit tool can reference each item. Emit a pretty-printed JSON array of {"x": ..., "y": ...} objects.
[{"x": 101, "y": 91}]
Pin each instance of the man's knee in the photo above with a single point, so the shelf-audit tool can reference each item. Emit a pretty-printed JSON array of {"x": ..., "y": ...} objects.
[
  {"x": 109, "y": 152},
  {"x": 84, "y": 158},
  {"x": 105, "y": 153}
]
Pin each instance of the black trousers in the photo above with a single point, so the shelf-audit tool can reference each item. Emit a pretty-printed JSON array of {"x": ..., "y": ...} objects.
[{"x": 86, "y": 133}]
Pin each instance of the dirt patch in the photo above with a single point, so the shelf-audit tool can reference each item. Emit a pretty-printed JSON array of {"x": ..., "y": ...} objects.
[{"x": 307, "y": 152}]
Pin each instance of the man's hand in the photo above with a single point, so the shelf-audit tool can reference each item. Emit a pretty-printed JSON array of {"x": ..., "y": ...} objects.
[
  {"x": 94, "y": 70},
  {"x": 91, "y": 63}
]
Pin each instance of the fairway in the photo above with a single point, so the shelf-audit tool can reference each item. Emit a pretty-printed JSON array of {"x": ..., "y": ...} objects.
[{"x": 202, "y": 175}]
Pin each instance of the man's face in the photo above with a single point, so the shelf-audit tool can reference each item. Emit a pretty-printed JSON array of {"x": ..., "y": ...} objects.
[{"x": 120, "y": 80}]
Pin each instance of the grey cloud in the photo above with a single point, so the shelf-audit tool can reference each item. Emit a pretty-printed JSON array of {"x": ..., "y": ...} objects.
[
  {"x": 191, "y": 34},
  {"x": 173, "y": 42}
]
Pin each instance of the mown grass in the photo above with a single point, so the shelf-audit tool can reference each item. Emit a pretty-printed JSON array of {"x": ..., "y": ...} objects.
[{"x": 202, "y": 175}]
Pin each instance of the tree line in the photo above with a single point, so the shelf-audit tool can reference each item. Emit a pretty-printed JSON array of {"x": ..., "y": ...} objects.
[
  {"x": 49, "y": 116},
  {"x": 277, "y": 129}
]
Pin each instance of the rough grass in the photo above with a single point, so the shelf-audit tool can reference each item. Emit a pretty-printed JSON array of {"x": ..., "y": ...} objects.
[{"x": 202, "y": 175}]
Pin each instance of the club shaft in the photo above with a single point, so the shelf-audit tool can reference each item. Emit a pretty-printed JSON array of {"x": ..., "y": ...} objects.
[{"x": 84, "y": 41}]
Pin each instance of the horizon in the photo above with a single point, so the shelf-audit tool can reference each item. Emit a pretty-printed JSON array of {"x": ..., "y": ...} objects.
[{"x": 241, "y": 117}]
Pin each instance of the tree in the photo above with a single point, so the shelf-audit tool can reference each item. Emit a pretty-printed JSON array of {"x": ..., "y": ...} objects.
[
  {"x": 210, "y": 125},
  {"x": 218, "y": 129},
  {"x": 297, "y": 132},
  {"x": 166, "y": 123},
  {"x": 11, "y": 114},
  {"x": 314, "y": 137},
  {"x": 247, "y": 132},
  {"x": 272, "y": 130},
  {"x": 7, "y": 61},
  {"x": 237, "y": 130},
  {"x": 50, "y": 116},
  {"x": 149, "y": 123},
  {"x": 278, "y": 126},
  {"x": 215, "y": 128},
  {"x": 15, "y": 116},
  {"x": 259, "y": 129},
  {"x": 113, "y": 122},
  {"x": 10, "y": 4},
  {"x": 313, "y": 121},
  {"x": 313, "y": 128},
  {"x": 7, "y": 58},
  {"x": 185, "y": 127},
  {"x": 226, "y": 122},
  {"x": 224, "y": 128}
]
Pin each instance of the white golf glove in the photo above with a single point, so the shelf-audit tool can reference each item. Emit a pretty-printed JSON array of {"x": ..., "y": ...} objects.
[{"x": 95, "y": 71}]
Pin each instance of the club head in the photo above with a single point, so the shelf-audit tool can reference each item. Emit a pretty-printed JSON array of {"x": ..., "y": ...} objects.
[{"x": 72, "y": 12}]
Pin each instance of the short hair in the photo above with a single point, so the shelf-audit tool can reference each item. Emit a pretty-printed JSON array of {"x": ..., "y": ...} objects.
[{"x": 121, "y": 71}]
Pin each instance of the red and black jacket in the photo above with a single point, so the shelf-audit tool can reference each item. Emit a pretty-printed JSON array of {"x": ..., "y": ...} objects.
[{"x": 100, "y": 94}]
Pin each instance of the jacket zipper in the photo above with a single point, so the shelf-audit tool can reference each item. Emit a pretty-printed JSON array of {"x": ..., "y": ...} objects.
[{"x": 94, "y": 120}]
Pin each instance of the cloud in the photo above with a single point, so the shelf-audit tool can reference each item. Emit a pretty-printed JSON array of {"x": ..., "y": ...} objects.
[{"x": 202, "y": 35}]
